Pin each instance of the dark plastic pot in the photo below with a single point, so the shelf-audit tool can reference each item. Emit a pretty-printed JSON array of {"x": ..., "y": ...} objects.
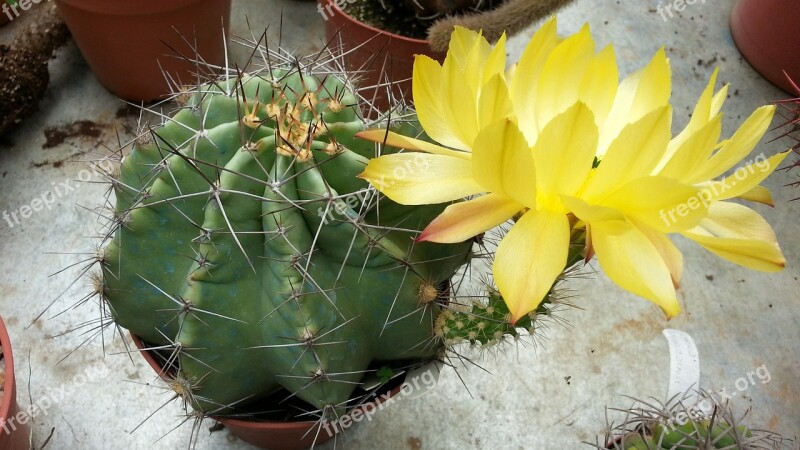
[
  {"x": 4, "y": 19},
  {"x": 4, "y": 16},
  {"x": 376, "y": 55},
  {"x": 15, "y": 433},
  {"x": 130, "y": 44},
  {"x": 264, "y": 434},
  {"x": 767, "y": 33}
]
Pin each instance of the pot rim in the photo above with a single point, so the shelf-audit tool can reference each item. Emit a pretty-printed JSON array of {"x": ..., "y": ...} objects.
[
  {"x": 126, "y": 7},
  {"x": 242, "y": 423},
  {"x": 9, "y": 395},
  {"x": 353, "y": 21}
]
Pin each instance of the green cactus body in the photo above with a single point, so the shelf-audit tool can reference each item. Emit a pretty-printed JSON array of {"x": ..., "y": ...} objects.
[
  {"x": 700, "y": 434},
  {"x": 246, "y": 242}
]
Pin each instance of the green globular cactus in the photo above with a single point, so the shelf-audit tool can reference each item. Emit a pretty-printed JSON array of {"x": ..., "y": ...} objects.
[
  {"x": 705, "y": 423},
  {"x": 244, "y": 242},
  {"x": 699, "y": 434}
]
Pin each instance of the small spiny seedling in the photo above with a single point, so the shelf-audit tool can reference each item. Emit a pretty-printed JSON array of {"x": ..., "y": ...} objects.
[{"x": 705, "y": 424}]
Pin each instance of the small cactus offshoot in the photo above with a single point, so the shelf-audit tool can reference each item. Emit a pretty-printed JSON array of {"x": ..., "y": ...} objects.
[{"x": 705, "y": 424}]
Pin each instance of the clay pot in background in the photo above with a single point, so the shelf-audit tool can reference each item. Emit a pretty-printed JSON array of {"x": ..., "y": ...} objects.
[
  {"x": 128, "y": 44},
  {"x": 767, "y": 33},
  {"x": 375, "y": 54},
  {"x": 15, "y": 434}
]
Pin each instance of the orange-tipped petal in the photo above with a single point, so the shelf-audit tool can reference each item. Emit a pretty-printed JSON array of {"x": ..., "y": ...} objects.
[
  {"x": 393, "y": 139},
  {"x": 421, "y": 178},
  {"x": 740, "y": 235},
  {"x": 461, "y": 221}
]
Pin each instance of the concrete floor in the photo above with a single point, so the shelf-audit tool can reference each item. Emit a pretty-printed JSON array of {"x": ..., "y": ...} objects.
[{"x": 550, "y": 397}]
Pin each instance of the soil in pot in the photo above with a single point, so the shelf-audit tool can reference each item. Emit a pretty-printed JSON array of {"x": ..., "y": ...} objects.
[
  {"x": 411, "y": 18},
  {"x": 23, "y": 66}
]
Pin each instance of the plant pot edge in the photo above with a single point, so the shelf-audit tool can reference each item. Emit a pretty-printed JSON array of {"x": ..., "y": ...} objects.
[
  {"x": 101, "y": 37},
  {"x": 355, "y": 21},
  {"x": 19, "y": 434},
  {"x": 252, "y": 431},
  {"x": 769, "y": 49}
]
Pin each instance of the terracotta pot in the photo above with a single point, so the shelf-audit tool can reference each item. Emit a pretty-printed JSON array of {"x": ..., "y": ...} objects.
[
  {"x": 375, "y": 54},
  {"x": 767, "y": 33},
  {"x": 15, "y": 434},
  {"x": 129, "y": 44},
  {"x": 264, "y": 434}
]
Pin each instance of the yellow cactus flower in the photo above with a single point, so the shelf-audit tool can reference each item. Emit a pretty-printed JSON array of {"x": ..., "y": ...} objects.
[{"x": 557, "y": 142}]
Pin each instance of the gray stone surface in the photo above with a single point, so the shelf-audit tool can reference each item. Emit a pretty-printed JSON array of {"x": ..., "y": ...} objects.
[{"x": 548, "y": 396}]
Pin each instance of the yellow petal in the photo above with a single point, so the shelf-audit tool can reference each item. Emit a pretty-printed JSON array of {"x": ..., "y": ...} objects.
[
  {"x": 746, "y": 178},
  {"x": 719, "y": 100},
  {"x": 740, "y": 235},
  {"x": 494, "y": 103},
  {"x": 496, "y": 62},
  {"x": 427, "y": 91},
  {"x": 701, "y": 115},
  {"x": 463, "y": 45},
  {"x": 563, "y": 155},
  {"x": 638, "y": 94},
  {"x": 503, "y": 163},
  {"x": 633, "y": 154},
  {"x": 560, "y": 79},
  {"x": 421, "y": 178},
  {"x": 690, "y": 156},
  {"x": 463, "y": 220},
  {"x": 631, "y": 260},
  {"x": 660, "y": 203},
  {"x": 588, "y": 212},
  {"x": 654, "y": 87},
  {"x": 526, "y": 77},
  {"x": 758, "y": 194},
  {"x": 599, "y": 85},
  {"x": 530, "y": 258},
  {"x": 669, "y": 252},
  {"x": 459, "y": 93},
  {"x": 393, "y": 139},
  {"x": 740, "y": 145}
]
